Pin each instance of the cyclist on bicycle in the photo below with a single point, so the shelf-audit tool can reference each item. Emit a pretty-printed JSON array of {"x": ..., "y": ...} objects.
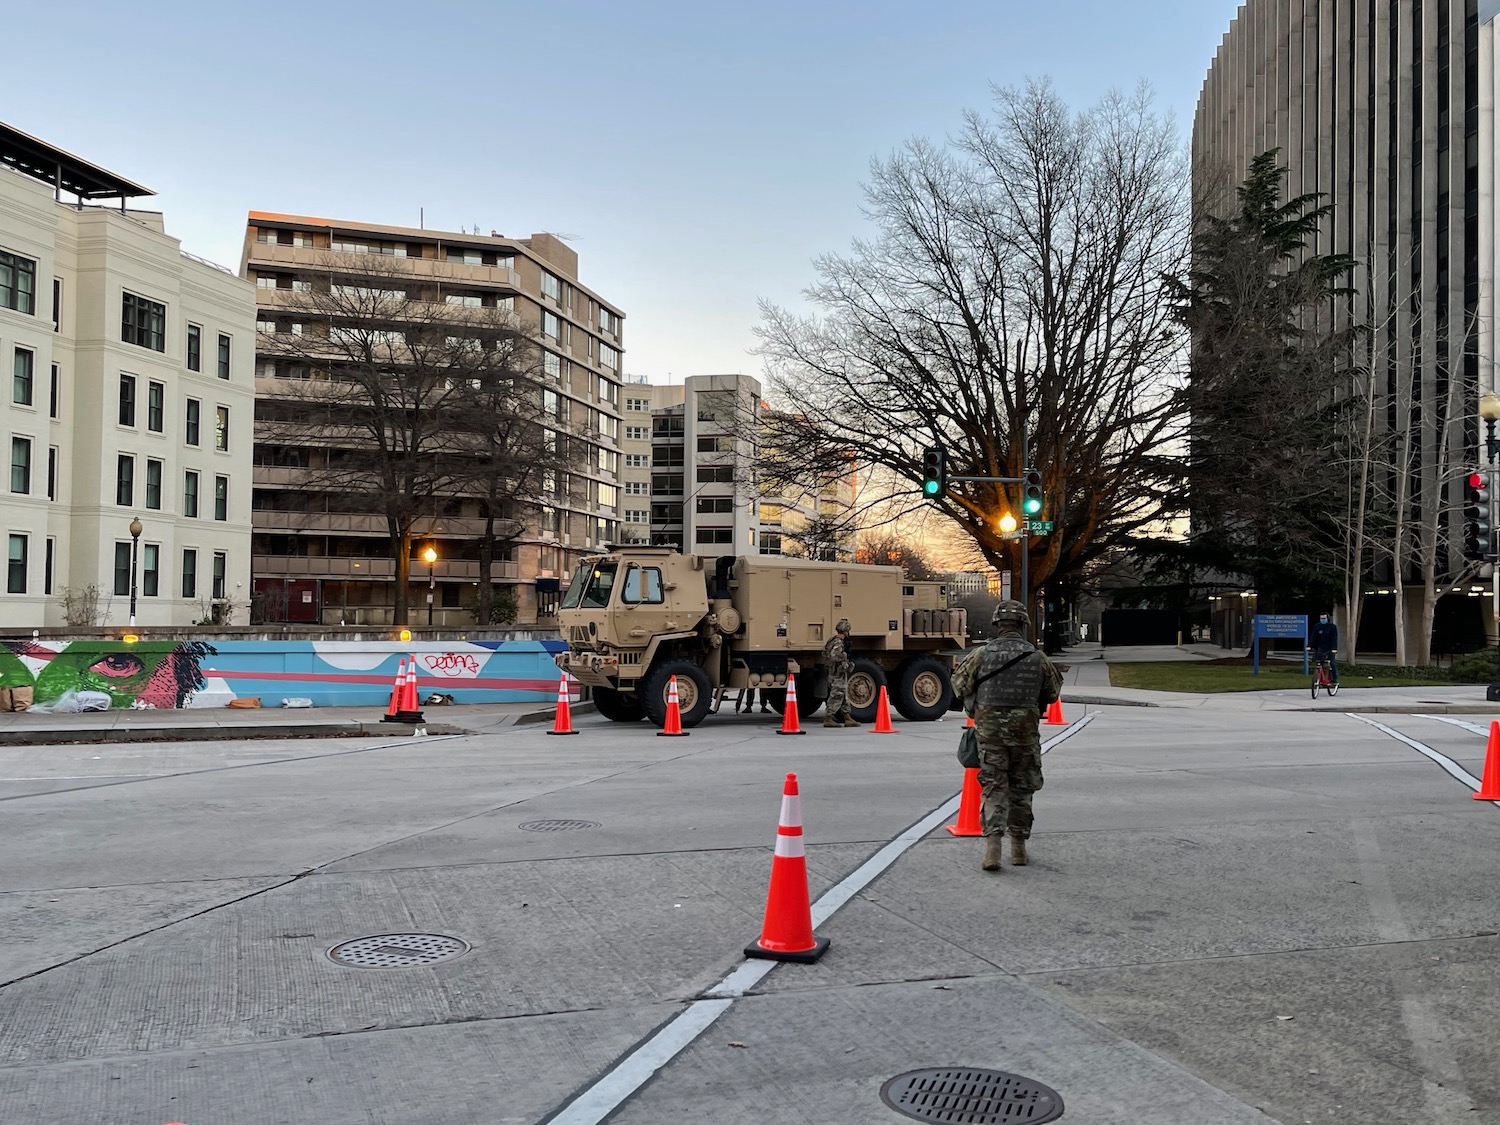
[{"x": 1324, "y": 643}]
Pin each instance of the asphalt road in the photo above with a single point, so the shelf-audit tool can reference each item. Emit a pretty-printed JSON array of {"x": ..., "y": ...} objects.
[{"x": 1229, "y": 917}]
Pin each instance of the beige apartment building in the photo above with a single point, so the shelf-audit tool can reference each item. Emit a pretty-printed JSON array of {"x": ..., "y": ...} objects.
[
  {"x": 127, "y": 412},
  {"x": 324, "y": 556}
]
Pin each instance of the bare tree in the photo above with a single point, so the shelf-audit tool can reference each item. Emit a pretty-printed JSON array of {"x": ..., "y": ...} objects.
[
  {"x": 1010, "y": 307},
  {"x": 387, "y": 391},
  {"x": 889, "y": 548}
]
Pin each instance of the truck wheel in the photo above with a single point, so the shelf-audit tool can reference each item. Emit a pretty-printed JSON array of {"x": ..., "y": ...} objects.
[
  {"x": 807, "y": 705},
  {"x": 923, "y": 690},
  {"x": 866, "y": 678},
  {"x": 616, "y": 706},
  {"x": 694, "y": 694}
]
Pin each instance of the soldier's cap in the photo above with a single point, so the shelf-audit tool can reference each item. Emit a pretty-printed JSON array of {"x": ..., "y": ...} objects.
[
  {"x": 1010, "y": 612},
  {"x": 842, "y": 626}
]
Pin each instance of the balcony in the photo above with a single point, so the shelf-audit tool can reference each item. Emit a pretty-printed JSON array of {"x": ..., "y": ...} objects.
[
  {"x": 318, "y": 260},
  {"x": 343, "y": 568}
]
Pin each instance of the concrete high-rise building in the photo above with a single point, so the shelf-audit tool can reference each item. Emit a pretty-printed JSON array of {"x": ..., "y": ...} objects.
[
  {"x": 127, "y": 411},
  {"x": 1386, "y": 107},
  {"x": 325, "y": 556}
]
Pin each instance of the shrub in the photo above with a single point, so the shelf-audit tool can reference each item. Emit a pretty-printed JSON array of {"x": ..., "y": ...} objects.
[{"x": 1473, "y": 668}]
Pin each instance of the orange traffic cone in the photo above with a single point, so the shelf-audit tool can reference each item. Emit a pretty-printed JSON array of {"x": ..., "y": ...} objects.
[
  {"x": 1489, "y": 786},
  {"x": 410, "y": 710},
  {"x": 787, "y": 933},
  {"x": 883, "y": 716},
  {"x": 1055, "y": 715},
  {"x": 673, "y": 725},
  {"x": 969, "y": 805},
  {"x": 397, "y": 689},
  {"x": 789, "y": 724},
  {"x": 563, "y": 723}
]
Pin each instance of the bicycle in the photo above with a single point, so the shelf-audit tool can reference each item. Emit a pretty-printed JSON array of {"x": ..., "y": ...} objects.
[{"x": 1322, "y": 677}]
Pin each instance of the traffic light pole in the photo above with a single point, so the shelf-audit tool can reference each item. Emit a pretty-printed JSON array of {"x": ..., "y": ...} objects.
[{"x": 1025, "y": 530}]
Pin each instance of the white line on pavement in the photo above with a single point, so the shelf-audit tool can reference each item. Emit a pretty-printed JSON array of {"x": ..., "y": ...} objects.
[
  {"x": 1474, "y": 727},
  {"x": 598, "y": 1101},
  {"x": 1447, "y": 763}
]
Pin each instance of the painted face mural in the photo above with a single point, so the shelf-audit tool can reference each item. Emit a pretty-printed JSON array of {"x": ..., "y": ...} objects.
[{"x": 161, "y": 673}]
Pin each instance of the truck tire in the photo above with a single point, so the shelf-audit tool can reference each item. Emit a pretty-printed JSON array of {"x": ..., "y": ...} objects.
[
  {"x": 923, "y": 689},
  {"x": 866, "y": 678},
  {"x": 617, "y": 707},
  {"x": 694, "y": 694}
]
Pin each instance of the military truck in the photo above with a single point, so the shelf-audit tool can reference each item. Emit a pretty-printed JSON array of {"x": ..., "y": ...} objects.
[{"x": 637, "y": 616}]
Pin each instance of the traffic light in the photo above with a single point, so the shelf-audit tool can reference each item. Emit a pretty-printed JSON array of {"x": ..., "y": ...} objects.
[
  {"x": 1031, "y": 492},
  {"x": 934, "y": 472},
  {"x": 1479, "y": 540}
]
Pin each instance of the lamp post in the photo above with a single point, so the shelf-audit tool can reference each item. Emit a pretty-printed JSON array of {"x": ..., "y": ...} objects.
[
  {"x": 429, "y": 556},
  {"x": 135, "y": 545},
  {"x": 1489, "y": 410}
]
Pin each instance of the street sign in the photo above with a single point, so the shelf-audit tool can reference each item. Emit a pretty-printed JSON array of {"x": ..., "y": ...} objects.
[
  {"x": 1274, "y": 625},
  {"x": 1041, "y": 526}
]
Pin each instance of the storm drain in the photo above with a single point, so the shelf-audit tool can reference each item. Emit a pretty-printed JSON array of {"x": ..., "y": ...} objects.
[
  {"x": 964, "y": 1096},
  {"x": 556, "y": 825},
  {"x": 397, "y": 951}
]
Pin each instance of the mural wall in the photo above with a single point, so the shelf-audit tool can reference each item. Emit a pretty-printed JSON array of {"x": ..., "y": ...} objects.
[{"x": 184, "y": 673}]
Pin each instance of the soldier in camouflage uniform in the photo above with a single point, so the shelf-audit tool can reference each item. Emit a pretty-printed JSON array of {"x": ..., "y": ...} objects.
[
  {"x": 1007, "y": 707},
  {"x": 836, "y": 661}
]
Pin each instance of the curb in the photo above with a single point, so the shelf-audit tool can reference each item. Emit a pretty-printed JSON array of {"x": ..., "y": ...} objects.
[
  {"x": 73, "y": 735},
  {"x": 533, "y": 717}
]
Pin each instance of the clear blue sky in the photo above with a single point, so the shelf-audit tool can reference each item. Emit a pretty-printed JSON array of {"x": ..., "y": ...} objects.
[{"x": 698, "y": 155}]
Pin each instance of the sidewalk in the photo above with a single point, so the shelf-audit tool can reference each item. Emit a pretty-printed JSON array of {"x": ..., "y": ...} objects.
[{"x": 1087, "y": 682}]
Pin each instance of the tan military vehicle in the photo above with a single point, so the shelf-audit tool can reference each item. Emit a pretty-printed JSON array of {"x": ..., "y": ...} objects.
[{"x": 638, "y": 616}]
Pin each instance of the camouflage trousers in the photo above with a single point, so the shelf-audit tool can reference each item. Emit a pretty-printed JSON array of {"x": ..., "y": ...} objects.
[
  {"x": 1009, "y": 774},
  {"x": 838, "y": 694}
]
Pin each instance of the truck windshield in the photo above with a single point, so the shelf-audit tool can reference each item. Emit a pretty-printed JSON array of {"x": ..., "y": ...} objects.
[{"x": 591, "y": 586}]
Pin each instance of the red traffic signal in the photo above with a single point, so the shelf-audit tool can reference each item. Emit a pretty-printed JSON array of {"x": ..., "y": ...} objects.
[{"x": 1476, "y": 479}]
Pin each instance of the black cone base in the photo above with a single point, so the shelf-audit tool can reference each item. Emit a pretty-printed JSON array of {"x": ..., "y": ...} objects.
[{"x": 802, "y": 956}]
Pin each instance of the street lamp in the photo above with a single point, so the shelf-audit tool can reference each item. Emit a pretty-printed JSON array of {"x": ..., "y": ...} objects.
[
  {"x": 135, "y": 545},
  {"x": 1489, "y": 410},
  {"x": 429, "y": 556}
]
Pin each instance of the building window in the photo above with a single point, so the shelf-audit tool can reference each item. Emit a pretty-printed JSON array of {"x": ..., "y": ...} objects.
[
  {"x": 710, "y": 504},
  {"x": 20, "y": 465},
  {"x": 190, "y": 573},
  {"x": 122, "y": 569},
  {"x": 637, "y": 404},
  {"x": 15, "y": 573},
  {"x": 47, "y": 558},
  {"x": 551, "y": 325},
  {"x": 221, "y": 498},
  {"x": 637, "y": 515},
  {"x": 52, "y": 472},
  {"x": 221, "y": 428},
  {"x": 21, "y": 384},
  {"x": 156, "y": 407},
  {"x": 195, "y": 348},
  {"x": 190, "y": 494},
  {"x": 714, "y": 535},
  {"x": 220, "y": 566},
  {"x": 194, "y": 411},
  {"x": 637, "y": 488},
  {"x": 17, "y": 283},
  {"x": 551, "y": 286},
  {"x": 716, "y": 444},
  {"x": 223, "y": 356},
  {"x": 143, "y": 322},
  {"x": 636, "y": 460},
  {"x": 551, "y": 365},
  {"x": 125, "y": 480},
  {"x": 715, "y": 474},
  {"x": 127, "y": 400},
  {"x": 56, "y": 327},
  {"x": 608, "y": 321},
  {"x": 637, "y": 433},
  {"x": 153, "y": 484},
  {"x": 52, "y": 391},
  {"x": 150, "y": 569},
  {"x": 609, "y": 357}
]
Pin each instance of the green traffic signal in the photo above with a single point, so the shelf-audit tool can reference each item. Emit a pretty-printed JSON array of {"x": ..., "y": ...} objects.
[
  {"x": 934, "y": 472},
  {"x": 1031, "y": 492},
  {"x": 931, "y": 487}
]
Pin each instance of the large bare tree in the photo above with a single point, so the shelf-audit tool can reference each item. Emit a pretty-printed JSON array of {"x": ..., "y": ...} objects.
[
  {"x": 398, "y": 399},
  {"x": 1010, "y": 307}
]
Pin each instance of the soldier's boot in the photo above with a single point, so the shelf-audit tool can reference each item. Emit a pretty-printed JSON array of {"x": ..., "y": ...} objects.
[
  {"x": 1017, "y": 850},
  {"x": 991, "y": 860},
  {"x": 850, "y": 720},
  {"x": 831, "y": 720}
]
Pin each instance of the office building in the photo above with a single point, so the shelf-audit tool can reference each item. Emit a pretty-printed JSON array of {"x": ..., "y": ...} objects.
[{"x": 127, "y": 410}]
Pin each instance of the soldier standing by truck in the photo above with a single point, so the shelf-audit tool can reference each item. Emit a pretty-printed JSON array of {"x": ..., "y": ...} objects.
[
  {"x": 836, "y": 661},
  {"x": 1005, "y": 685}
]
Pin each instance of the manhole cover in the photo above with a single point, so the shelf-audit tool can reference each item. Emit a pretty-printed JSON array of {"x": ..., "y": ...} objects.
[
  {"x": 397, "y": 951},
  {"x": 964, "y": 1096},
  {"x": 557, "y": 825}
]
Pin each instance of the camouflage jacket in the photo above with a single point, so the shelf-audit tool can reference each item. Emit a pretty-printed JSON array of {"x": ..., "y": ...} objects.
[
  {"x": 1034, "y": 667},
  {"x": 836, "y": 656}
]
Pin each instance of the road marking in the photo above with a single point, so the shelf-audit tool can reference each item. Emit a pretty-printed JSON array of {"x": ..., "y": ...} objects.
[
  {"x": 1474, "y": 727},
  {"x": 1447, "y": 763},
  {"x": 607, "y": 1093}
]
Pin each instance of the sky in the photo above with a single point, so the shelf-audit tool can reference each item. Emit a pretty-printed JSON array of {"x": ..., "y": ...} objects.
[{"x": 698, "y": 155}]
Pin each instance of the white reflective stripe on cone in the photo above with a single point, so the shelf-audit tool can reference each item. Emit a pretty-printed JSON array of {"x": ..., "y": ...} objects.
[
  {"x": 791, "y": 810},
  {"x": 790, "y": 847}
]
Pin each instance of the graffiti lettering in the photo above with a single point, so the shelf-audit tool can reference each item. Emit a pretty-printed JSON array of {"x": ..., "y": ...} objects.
[{"x": 452, "y": 664}]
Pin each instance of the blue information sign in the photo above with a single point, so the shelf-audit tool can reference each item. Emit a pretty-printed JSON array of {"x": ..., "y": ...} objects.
[{"x": 1278, "y": 625}]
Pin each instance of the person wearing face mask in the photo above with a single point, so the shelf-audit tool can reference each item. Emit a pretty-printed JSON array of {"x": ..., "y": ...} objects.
[{"x": 1324, "y": 643}]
